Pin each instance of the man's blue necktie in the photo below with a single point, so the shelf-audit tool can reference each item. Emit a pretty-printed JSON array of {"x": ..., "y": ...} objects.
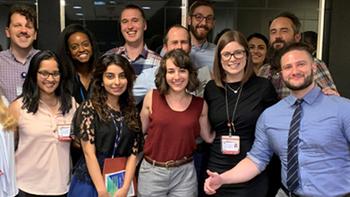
[{"x": 293, "y": 138}]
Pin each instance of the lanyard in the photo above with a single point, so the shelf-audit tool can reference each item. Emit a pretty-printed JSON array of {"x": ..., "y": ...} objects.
[
  {"x": 230, "y": 124},
  {"x": 81, "y": 86},
  {"x": 118, "y": 131}
]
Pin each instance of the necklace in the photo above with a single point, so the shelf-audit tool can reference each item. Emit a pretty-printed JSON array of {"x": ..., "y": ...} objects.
[
  {"x": 233, "y": 90},
  {"x": 115, "y": 108},
  {"x": 230, "y": 124}
]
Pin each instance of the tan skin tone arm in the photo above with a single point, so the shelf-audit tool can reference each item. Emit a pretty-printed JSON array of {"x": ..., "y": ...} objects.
[
  {"x": 146, "y": 110},
  {"x": 242, "y": 172},
  {"x": 205, "y": 131},
  {"x": 89, "y": 151}
]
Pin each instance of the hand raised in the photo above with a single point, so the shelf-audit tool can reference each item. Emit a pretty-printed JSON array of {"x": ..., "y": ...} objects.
[{"x": 212, "y": 183}]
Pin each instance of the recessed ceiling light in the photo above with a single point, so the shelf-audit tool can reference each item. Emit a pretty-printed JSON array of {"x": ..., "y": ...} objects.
[
  {"x": 79, "y": 14},
  {"x": 112, "y": 2},
  {"x": 77, "y": 7},
  {"x": 99, "y": 3},
  {"x": 146, "y": 7}
]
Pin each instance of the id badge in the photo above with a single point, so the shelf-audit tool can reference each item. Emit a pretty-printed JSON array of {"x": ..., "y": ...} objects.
[
  {"x": 230, "y": 144},
  {"x": 63, "y": 131}
]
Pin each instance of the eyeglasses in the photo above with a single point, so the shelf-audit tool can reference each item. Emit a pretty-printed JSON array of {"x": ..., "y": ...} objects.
[
  {"x": 200, "y": 18},
  {"x": 238, "y": 54},
  {"x": 45, "y": 74}
]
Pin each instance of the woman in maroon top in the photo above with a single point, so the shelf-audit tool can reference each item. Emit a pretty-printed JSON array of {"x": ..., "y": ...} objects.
[{"x": 172, "y": 119}]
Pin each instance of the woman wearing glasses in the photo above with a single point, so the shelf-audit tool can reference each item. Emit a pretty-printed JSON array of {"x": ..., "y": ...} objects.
[
  {"x": 44, "y": 112},
  {"x": 236, "y": 98}
]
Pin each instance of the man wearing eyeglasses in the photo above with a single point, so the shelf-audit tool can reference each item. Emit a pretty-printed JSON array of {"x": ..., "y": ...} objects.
[
  {"x": 21, "y": 30},
  {"x": 201, "y": 21}
]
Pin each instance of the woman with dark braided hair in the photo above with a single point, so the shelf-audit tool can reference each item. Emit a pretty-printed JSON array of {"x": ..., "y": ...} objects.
[{"x": 107, "y": 120}]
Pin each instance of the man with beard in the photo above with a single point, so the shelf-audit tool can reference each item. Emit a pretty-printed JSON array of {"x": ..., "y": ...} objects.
[
  {"x": 285, "y": 30},
  {"x": 309, "y": 130},
  {"x": 201, "y": 21},
  {"x": 144, "y": 61},
  {"x": 21, "y": 29}
]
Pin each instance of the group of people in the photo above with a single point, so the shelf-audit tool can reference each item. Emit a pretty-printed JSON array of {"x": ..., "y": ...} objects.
[{"x": 201, "y": 119}]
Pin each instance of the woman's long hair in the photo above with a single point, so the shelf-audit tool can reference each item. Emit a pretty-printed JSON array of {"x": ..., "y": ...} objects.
[
  {"x": 31, "y": 91},
  {"x": 126, "y": 100}
]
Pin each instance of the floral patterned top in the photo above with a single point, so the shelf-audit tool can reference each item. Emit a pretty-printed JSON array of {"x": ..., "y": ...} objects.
[{"x": 87, "y": 126}]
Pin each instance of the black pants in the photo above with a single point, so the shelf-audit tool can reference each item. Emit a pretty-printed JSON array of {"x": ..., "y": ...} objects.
[{"x": 24, "y": 194}]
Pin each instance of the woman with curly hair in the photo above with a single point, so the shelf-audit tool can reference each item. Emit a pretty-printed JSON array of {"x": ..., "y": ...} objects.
[
  {"x": 107, "y": 125},
  {"x": 172, "y": 119},
  {"x": 44, "y": 112},
  {"x": 7, "y": 150}
]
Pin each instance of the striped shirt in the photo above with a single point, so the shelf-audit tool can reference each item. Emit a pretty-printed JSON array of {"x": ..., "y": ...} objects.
[
  {"x": 13, "y": 72},
  {"x": 322, "y": 78},
  {"x": 145, "y": 66}
]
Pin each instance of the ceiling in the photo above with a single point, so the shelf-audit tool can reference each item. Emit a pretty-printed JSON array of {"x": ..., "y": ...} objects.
[
  {"x": 107, "y": 9},
  {"x": 110, "y": 9}
]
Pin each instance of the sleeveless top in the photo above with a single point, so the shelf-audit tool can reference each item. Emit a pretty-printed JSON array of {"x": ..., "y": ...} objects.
[
  {"x": 42, "y": 160},
  {"x": 171, "y": 135}
]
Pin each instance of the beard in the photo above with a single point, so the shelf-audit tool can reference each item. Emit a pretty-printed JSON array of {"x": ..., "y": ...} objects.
[
  {"x": 198, "y": 36},
  {"x": 307, "y": 82},
  {"x": 273, "y": 54}
]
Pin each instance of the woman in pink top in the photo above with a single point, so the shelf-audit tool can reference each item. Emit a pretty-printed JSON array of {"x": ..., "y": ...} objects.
[
  {"x": 172, "y": 119},
  {"x": 44, "y": 111}
]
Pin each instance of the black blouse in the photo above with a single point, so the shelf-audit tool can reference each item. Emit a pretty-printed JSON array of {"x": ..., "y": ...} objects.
[
  {"x": 257, "y": 94},
  {"x": 80, "y": 94},
  {"x": 87, "y": 126}
]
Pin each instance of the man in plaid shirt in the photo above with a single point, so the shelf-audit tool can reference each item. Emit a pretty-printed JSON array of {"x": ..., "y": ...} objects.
[
  {"x": 285, "y": 29},
  {"x": 145, "y": 62}
]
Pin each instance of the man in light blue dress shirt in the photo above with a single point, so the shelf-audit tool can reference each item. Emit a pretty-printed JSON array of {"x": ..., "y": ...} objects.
[
  {"x": 324, "y": 135},
  {"x": 201, "y": 21}
]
